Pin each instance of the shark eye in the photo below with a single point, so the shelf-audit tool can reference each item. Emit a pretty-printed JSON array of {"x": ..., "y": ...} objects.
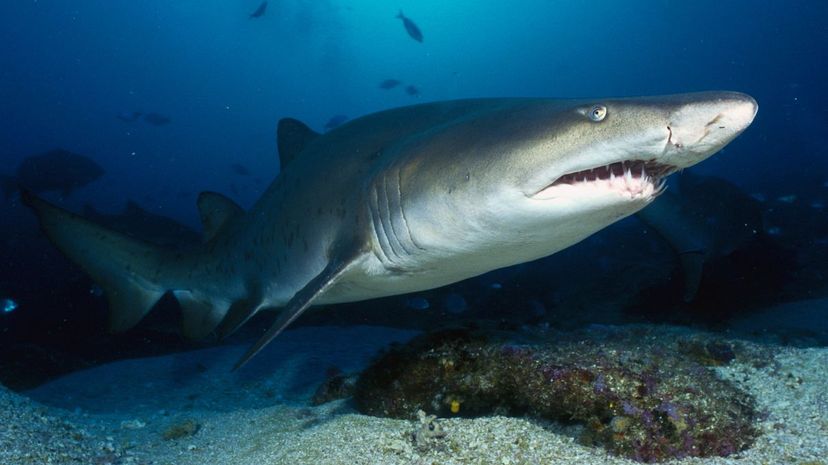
[{"x": 597, "y": 113}]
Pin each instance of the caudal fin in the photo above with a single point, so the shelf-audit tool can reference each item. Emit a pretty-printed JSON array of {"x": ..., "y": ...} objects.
[{"x": 129, "y": 271}]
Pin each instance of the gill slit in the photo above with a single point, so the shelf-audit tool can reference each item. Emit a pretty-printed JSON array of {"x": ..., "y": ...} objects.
[
  {"x": 379, "y": 230},
  {"x": 390, "y": 219},
  {"x": 402, "y": 213}
]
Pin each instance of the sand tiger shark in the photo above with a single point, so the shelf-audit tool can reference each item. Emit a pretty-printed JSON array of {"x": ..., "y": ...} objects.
[{"x": 405, "y": 200}]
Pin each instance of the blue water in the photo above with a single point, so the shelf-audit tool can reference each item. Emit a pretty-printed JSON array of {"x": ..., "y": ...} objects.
[{"x": 69, "y": 68}]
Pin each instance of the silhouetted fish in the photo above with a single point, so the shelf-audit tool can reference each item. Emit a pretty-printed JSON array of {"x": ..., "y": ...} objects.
[
  {"x": 55, "y": 170},
  {"x": 389, "y": 84},
  {"x": 156, "y": 119},
  {"x": 412, "y": 91},
  {"x": 335, "y": 121},
  {"x": 240, "y": 169},
  {"x": 129, "y": 117},
  {"x": 411, "y": 28},
  {"x": 260, "y": 11}
]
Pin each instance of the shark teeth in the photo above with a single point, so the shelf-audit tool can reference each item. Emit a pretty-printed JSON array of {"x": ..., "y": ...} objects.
[
  {"x": 629, "y": 169},
  {"x": 631, "y": 178}
]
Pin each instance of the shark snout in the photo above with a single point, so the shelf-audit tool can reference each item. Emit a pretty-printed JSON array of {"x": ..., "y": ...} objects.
[
  {"x": 737, "y": 112},
  {"x": 701, "y": 128}
]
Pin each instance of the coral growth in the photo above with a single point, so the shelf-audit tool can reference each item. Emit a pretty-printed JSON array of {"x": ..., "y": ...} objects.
[{"x": 635, "y": 394}]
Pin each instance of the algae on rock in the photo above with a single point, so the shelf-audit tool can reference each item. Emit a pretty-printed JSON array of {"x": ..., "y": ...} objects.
[{"x": 635, "y": 392}]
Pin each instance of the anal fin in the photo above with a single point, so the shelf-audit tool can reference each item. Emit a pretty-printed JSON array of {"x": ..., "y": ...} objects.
[
  {"x": 128, "y": 302},
  {"x": 302, "y": 300},
  {"x": 200, "y": 314}
]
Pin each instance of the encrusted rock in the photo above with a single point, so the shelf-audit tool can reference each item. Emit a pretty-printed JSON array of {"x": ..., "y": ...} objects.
[{"x": 634, "y": 392}]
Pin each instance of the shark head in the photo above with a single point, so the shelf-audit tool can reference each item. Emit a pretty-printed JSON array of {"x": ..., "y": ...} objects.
[{"x": 521, "y": 179}]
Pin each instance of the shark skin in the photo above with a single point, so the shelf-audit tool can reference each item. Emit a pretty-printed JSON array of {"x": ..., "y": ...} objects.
[{"x": 405, "y": 200}]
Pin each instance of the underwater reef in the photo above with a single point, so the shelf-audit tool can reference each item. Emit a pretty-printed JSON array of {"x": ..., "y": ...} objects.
[{"x": 645, "y": 396}]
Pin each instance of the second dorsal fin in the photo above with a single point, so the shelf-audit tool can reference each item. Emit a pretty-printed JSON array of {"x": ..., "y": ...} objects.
[
  {"x": 292, "y": 136},
  {"x": 216, "y": 211}
]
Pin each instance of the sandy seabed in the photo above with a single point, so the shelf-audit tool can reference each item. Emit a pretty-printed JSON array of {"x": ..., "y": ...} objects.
[{"x": 191, "y": 409}]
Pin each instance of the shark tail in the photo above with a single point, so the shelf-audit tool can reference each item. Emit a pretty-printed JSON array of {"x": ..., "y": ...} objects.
[{"x": 134, "y": 275}]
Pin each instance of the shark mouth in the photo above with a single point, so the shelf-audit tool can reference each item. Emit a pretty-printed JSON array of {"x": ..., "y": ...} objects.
[{"x": 633, "y": 179}]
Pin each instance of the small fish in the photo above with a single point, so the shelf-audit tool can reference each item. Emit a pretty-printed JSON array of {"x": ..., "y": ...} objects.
[
  {"x": 774, "y": 231},
  {"x": 389, "y": 84},
  {"x": 412, "y": 91},
  {"x": 8, "y": 305},
  {"x": 260, "y": 11},
  {"x": 759, "y": 197},
  {"x": 786, "y": 198},
  {"x": 335, "y": 121},
  {"x": 417, "y": 303},
  {"x": 156, "y": 119},
  {"x": 411, "y": 28},
  {"x": 240, "y": 169},
  {"x": 96, "y": 290},
  {"x": 129, "y": 117},
  {"x": 496, "y": 285},
  {"x": 817, "y": 205}
]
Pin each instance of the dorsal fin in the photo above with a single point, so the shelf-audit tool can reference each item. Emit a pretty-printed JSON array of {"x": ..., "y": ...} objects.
[
  {"x": 216, "y": 211},
  {"x": 292, "y": 136}
]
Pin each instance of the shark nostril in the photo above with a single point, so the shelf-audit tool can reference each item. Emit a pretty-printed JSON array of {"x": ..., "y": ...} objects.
[{"x": 677, "y": 145}]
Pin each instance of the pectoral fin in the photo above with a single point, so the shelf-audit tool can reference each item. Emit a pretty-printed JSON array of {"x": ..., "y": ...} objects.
[{"x": 302, "y": 300}]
